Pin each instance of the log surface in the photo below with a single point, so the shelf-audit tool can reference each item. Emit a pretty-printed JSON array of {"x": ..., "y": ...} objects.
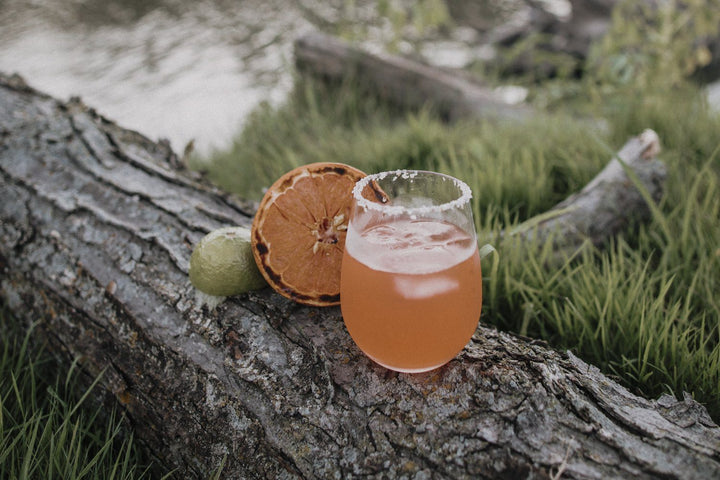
[{"x": 96, "y": 231}]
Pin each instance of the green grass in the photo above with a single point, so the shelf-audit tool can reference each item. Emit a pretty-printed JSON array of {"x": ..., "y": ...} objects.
[
  {"x": 645, "y": 307},
  {"x": 48, "y": 427}
]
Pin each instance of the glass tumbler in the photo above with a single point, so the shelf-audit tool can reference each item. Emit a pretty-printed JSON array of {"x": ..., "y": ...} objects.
[{"x": 411, "y": 285}]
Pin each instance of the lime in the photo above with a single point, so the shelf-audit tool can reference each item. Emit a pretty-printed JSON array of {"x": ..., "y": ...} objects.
[{"x": 222, "y": 263}]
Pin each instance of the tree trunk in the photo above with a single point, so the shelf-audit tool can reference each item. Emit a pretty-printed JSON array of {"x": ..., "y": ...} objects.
[
  {"x": 96, "y": 230},
  {"x": 403, "y": 81}
]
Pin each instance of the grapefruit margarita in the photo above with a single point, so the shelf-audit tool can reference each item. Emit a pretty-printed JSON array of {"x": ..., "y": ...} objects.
[{"x": 411, "y": 288}]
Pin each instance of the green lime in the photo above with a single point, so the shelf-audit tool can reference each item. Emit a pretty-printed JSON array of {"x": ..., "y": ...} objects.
[{"x": 222, "y": 263}]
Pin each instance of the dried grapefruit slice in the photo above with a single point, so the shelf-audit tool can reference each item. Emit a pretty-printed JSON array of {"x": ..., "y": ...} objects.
[{"x": 298, "y": 234}]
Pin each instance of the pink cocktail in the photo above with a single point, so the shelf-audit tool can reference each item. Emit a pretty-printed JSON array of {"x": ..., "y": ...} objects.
[{"x": 411, "y": 285}]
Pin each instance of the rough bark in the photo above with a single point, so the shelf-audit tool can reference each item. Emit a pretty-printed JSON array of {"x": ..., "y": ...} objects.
[
  {"x": 96, "y": 229},
  {"x": 403, "y": 81}
]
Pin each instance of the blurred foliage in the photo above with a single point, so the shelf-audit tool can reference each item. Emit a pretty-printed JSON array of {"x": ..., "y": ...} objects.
[
  {"x": 655, "y": 45},
  {"x": 392, "y": 23}
]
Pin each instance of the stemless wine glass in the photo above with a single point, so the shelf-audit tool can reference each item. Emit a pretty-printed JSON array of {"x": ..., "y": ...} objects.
[{"x": 411, "y": 286}]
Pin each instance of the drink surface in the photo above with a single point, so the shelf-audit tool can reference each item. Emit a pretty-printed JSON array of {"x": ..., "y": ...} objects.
[{"x": 411, "y": 292}]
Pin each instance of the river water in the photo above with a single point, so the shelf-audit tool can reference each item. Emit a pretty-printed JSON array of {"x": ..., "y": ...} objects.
[{"x": 177, "y": 69}]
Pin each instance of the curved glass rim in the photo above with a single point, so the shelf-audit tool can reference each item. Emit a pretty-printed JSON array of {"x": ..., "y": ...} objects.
[{"x": 459, "y": 202}]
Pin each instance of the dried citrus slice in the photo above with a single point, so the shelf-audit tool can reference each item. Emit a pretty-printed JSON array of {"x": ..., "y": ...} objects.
[{"x": 298, "y": 234}]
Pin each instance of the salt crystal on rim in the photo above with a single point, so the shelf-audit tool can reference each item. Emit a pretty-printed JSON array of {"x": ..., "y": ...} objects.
[{"x": 464, "y": 198}]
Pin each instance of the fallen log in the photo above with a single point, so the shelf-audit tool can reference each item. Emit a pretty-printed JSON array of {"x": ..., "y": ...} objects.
[
  {"x": 403, "y": 81},
  {"x": 595, "y": 213},
  {"x": 96, "y": 230}
]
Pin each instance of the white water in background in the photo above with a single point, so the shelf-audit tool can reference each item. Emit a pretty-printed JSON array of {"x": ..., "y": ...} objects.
[{"x": 189, "y": 74}]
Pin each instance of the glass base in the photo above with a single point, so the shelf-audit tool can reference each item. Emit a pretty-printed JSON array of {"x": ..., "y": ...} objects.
[{"x": 407, "y": 370}]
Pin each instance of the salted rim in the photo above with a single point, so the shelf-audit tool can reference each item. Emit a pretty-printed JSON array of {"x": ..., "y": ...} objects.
[{"x": 464, "y": 198}]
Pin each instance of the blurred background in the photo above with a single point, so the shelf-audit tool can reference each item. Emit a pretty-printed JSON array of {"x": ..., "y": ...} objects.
[
  {"x": 193, "y": 70},
  {"x": 184, "y": 70}
]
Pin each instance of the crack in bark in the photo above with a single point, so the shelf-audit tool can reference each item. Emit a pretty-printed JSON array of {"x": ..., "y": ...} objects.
[{"x": 145, "y": 195}]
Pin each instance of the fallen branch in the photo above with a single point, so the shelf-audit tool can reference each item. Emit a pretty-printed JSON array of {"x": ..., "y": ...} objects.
[
  {"x": 403, "y": 81},
  {"x": 616, "y": 196},
  {"x": 96, "y": 229}
]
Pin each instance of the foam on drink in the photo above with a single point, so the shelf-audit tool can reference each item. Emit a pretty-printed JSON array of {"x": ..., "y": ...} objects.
[{"x": 411, "y": 246}]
